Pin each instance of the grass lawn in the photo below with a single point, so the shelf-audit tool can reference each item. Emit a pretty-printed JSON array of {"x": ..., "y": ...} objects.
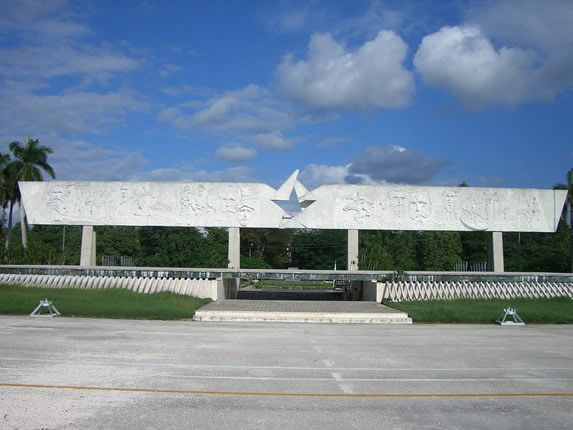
[
  {"x": 533, "y": 311},
  {"x": 104, "y": 303}
]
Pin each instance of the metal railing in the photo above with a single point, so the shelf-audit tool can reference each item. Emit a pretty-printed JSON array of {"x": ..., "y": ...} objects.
[
  {"x": 471, "y": 266},
  {"x": 110, "y": 261}
]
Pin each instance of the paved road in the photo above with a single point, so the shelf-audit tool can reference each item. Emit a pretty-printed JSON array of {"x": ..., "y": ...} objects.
[{"x": 75, "y": 373}]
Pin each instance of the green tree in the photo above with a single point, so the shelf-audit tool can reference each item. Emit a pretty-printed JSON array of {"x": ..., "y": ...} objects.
[
  {"x": 388, "y": 250},
  {"x": 319, "y": 249},
  {"x": 374, "y": 250},
  {"x": 440, "y": 250},
  {"x": 267, "y": 247},
  {"x": 118, "y": 241},
  {"x": 567, "y": 214},
  {"x": 30, "y": 159},
  {"x": 182, "y": 247},
  {"x": 474, "y": 245},
  {"x": 4, "y": 187}
]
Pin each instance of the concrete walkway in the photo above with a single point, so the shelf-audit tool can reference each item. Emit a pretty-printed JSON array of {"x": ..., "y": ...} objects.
[{"x": 300, "y": 311}]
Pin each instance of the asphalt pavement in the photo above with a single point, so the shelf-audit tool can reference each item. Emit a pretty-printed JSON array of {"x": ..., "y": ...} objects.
[{"x": 80, "y": 373}]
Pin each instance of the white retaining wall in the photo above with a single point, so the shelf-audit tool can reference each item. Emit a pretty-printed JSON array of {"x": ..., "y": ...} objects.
[{"x": 202, "y": 288}]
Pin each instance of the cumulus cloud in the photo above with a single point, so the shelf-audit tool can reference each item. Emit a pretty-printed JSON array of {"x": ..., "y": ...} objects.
[
  {"x": 541, "y": 25},
  {"x": 465, "y": 62},
  {"x": 314, "y": 175},
  {"x": 334, "y": 78},
  {"x": 251, "y": 114},
  {"x": 236, "y": 153},
  {"x": 249, "y": 110},
  {"x": 393, "y": 164},
  {"x": 275, "y": 141},
  {"x": 77, "y": 159},
  {"x": 507, "y": 52}
]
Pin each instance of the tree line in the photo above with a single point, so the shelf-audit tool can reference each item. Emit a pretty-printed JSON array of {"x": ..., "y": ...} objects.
[
  {"x": 263, "y": 248},
  {"x": 305, "y": 249}
]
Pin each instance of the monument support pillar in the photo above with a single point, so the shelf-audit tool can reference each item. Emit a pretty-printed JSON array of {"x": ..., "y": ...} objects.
[
  {"x": 352, "y": 263},
  {"x": 234, "y": 248},
  {"x": 495, "y": 251},
  {"x": 88, "y": 250}
]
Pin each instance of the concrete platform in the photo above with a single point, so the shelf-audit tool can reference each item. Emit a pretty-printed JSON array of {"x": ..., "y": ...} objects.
[{"x": 301, "y": 312}]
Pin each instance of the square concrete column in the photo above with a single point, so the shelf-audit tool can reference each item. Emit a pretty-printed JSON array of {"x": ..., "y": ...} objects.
[
  {"x": 234, "y": 248},
  {"x": 495, "y": 251},
  {"x": 352, "y": 263},
  {"x": 88, "y": 250}
]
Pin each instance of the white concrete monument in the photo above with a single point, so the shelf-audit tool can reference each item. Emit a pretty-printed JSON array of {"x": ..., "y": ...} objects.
[
  {"x": 348, "y": 207},
  {"x": 398, "y": 207},
  {"x": 174, "y": 204}
]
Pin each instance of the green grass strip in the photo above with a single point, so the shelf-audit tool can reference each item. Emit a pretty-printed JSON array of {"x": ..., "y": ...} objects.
[
  {"x": 485, "y": 311},
  {"x": 102, "y": 303}
]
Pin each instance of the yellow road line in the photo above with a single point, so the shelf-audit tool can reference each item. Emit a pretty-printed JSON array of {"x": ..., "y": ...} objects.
[{"x": 270, "y": 394}]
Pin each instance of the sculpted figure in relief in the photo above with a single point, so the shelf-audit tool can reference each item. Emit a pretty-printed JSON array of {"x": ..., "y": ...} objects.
[
  {"x": 359, "y": 207},
  {"x": 420, "y": 208}
]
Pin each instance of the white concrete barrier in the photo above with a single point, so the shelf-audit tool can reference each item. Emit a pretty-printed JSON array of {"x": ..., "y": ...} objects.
[
  {"x": 202, "y": 288},
  {"x": 427, "y": 290}
]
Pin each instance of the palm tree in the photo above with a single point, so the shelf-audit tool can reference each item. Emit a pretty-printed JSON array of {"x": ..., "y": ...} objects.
[
  {"x": 4, "y": 201},
  {"x": 30, "y": 159}
]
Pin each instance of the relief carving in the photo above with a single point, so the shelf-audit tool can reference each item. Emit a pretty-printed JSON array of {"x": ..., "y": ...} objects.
[{"x": 359, "y": 207}]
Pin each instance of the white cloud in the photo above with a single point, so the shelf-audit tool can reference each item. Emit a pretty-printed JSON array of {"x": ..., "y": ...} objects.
[
  {"x": 76, "y": 159},
  {"x": 178, "y": 174},
  {"x": 236, "y": 153},
  {"x": 169, "y": 69},
  {"x": 287, "y": 17},
  {"x": 274, "y": 141},
  {"x": 57, "y": 83},
  {"x": 48, "y": 19},
  {"x": 251, "y": 110},
  {"x": 250, "y": 114},
  {"x": 377, "y": 165},
  {"x": 368, "y": 24},
  {"x": 52, "y": 75},
  {"x": 394, "y": 164},
  {"x": 541, "y": 25},
  {"x": 334, "y": 78},
  {"x": 507, "y": 52},
  {"x": 86, "y": 62},
  {"x": 71, "y": 112},
  {"x": 465, "y": 62},
  {"x": 314, "y": 175}
]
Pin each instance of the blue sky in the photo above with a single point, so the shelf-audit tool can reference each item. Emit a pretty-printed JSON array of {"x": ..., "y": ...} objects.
[{"x": 414, "y": 92}]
